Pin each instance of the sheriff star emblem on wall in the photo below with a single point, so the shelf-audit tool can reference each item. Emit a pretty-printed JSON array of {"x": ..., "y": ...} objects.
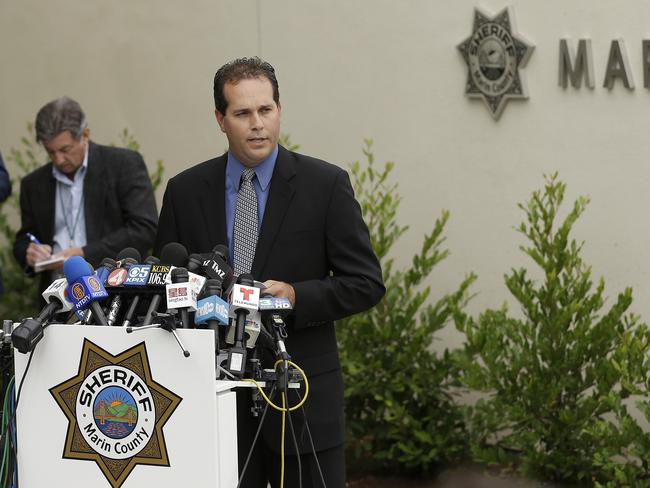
[
  {"x": 494, "y": 54},
  {"x": 116, "y": 412}
]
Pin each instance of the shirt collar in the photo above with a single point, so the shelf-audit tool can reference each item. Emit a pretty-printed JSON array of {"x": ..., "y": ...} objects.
[
  {"x": 63, "y": 178},
  {"x": 263, "y": 171}
]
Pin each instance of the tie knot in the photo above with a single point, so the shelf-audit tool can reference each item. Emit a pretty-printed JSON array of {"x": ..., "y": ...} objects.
[{"x": 247, "y": 174}]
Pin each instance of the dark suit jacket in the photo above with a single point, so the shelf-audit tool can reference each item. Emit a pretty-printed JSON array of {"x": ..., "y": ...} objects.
[
  {"x": 5, "y": 191},
  {"x": 119, "y": 205},
  {"x": 313, "y": 237}
]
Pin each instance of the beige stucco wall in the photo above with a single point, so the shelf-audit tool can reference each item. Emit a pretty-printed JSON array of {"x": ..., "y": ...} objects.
[{"x": 349, "y": 70}]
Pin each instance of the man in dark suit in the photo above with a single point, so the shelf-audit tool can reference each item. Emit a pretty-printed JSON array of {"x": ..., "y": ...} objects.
[
  {"x": 312, "y": 246},
  {"x": 5, "y": 192},
  {"x": 89, "y": 200}
]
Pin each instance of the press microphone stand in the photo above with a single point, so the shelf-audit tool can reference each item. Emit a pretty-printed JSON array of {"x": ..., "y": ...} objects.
[{"x": 168, "y": 323}]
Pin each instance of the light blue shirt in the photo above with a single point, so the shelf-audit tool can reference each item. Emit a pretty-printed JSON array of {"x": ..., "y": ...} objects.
[
  {"x": 69, "y": 213},
  {"x": 261, "y": 183}
]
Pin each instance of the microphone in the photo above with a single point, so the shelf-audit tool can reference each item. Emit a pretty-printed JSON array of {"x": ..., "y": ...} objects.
[
  {"x": 30, "y": 331},
  {"x": 27, "y": 335},
  {"x": 105, "y": 269},
  {"x": 130, "y": 252},
  {"x": 212, "y": 310},
  {"x": 172, "y": 254},
  {"x": 56, "y": 298},
  {"x": 195, "y": 263},
  {"x": 211, "y": 307},
  {"x": 196, "y": 271},
  {"x": 217, "y": 267},
  {"x": 273, "y": 311},
  {"x": 244, "y": 300},
  {"x": 150, "y": 261},
  {"x": 84, "y": 289},
  {"x": 127, "y": 264},
  {"x": 181, "y": 295}
]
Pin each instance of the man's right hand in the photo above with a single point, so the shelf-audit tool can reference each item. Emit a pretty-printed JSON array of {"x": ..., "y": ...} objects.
[{"x": 36, "y": 253}]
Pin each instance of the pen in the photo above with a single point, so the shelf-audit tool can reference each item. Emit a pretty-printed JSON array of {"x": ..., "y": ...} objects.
[{"x": 33, "y": 238}]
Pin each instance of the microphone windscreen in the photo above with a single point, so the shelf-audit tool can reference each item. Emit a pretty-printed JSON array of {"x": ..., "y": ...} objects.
[
  {"x": 109, "y": 263},
  {"x": 222, "y": 251},
  {"x": 173, "y": 253},
  {"x": 152, "y": 260},
  {"x": 128, "y": 262},
  {"x": 75, "y": 267},
  {"x": 246, "y": 279},
  {"x": 130, "y": 252}
]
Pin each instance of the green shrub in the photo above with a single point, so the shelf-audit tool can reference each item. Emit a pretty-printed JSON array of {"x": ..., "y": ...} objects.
[
  {"x": 556, "y": 374},
  {"x": 399, "y": 395},
  {"x": 20, "y": 298}
]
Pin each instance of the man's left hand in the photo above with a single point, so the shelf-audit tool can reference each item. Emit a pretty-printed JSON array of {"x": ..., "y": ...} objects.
[{"x": 280, "y": 289}]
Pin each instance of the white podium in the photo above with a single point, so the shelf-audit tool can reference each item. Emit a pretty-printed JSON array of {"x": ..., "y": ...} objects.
[{"x": 103, "y": 408}]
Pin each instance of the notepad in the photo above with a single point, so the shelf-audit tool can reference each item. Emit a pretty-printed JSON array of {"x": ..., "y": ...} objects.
[{"x": 41, "y": 265}]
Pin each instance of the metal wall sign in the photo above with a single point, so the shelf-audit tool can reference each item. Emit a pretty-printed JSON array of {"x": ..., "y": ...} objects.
[
  {"x": 574, "y": 67},
  {"x": 494, "y": 54}
]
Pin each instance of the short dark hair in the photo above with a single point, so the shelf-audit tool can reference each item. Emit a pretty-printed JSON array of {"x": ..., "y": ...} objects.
[
  {"x": 240, "y": 69},
  {"x": 58, "y": 116}
]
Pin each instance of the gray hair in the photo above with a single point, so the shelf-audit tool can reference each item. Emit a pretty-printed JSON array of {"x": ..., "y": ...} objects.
[{"x": 58, "y": 116}]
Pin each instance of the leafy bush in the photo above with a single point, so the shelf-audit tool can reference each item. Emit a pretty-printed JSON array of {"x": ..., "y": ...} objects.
[
  {"x": 20, "y": 298},
  {"x": 556, "y": 375},
  {"x": 399, "y": 396}
]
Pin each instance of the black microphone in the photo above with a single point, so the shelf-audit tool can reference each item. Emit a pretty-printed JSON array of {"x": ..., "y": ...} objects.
[
  {"x": 30, "y": 331},
  {"x": 273, "y": 311},
  {"x": 105, "y": 269},
  {"x": 56, "y": 298},
  {"x": 27, "y": 335},
  {"x": 129, "y": 252},
  {"x": 211, "y": 309},
  {"x": 116, "y": 303},
  {"x": 244, "y": 300},
  {"x": 136, "y": 299},
  {"x": 172, "y": 254},
  {"x": 182, "y": 294},
  {"x": 195, "y": 263},
  {"x": 217, "y": 267}
]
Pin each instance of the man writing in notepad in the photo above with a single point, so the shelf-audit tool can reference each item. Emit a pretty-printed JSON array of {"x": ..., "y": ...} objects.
[{"x": 89, "y": 201}]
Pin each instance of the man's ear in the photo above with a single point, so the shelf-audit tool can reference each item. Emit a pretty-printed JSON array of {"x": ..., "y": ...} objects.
[{"x": 219, "y": 117}]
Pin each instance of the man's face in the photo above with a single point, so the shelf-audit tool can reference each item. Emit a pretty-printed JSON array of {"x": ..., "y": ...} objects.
[
  {"x": 67, "y": 153},
  {"x": 251, "y": 121}
]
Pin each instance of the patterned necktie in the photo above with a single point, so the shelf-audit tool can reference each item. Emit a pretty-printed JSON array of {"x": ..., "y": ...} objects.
[{"x": 245, "y": 226}]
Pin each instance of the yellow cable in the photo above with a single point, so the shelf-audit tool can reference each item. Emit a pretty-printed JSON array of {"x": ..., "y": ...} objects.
[
  {"x": 283, "y": 408},
  {"x": 284, "y": 413}
]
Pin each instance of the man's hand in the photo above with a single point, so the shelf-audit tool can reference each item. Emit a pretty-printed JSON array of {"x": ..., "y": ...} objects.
[
  {"x": 36, "y": 253},
  {"x": 280, "y": 289}
]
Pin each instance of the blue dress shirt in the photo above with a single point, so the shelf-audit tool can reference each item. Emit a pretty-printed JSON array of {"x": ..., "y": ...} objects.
[{"x": 261, "y": 183}]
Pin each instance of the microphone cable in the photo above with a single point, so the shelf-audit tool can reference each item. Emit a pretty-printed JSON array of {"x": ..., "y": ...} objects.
[
  {"x": 6, "y": 437},
  {"x": 285, "y": 401},
  {"x": 273, "y": 405},
  {"x": 311, "y": 443},
  {"x": 257, "y": 434},
  {"x": 285, "y": 409},
  {"x": 10, "y": 420}
]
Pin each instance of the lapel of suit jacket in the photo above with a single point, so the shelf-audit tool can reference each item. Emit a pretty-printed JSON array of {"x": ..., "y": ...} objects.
[
  {"x": 213, "y": 202},
  {"x": 46, "y": 211},
  {"x": 280, "y": 195},
  {"x": 94, "y": 193}
]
